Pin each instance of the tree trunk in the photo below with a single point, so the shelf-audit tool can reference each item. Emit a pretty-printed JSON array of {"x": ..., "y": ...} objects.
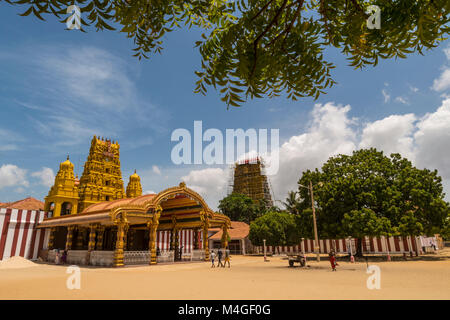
[{"x": 359, "y": 249}]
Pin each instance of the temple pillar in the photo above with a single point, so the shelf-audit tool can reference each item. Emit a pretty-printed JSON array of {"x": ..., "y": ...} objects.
[
  {"x": 125, "y": 238},
  {"x": 100, "y": 234},
  {"x": 152, "y": 243},
  {"x": 118, "y": 252},
  {"x": 224, "y": 240},
  {"x": 205, "y": 242},
  {"x": 153, "y": 227},
  {"x": 79, "y": 245},
  {"x": 177, "y": 244},
  {"x": 91, "y": 245},
  {"x": 69, "y": 237},
  {"x": 51, "y": 238},
  {"x": 131, "y": 239},
  {"x": 196, "y": 239},
  {"x": 57, "y": 209},
  {"x": 74, "y": 208},
  {"x": 172, "y": 239}
]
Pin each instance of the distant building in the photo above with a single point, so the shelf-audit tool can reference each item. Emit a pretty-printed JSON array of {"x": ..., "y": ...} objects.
[
  {"x": 250, "y": 179},
  {"x": 238, "y": 242},
  {"x": 18, "y": 233},
  {"x": 29, "y": 203}
]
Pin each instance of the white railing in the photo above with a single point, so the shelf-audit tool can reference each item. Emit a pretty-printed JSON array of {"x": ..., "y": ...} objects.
[
  {"x": 136, "y": 257},
  {"x": 102, "y": 258},
  {"x": 166, "y": 256},
  {"x": 79, "y": 257}
]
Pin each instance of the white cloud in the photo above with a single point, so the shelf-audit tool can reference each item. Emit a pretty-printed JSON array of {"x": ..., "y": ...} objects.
[
  {"x": 433, "y": 140},
  {"x": 392, "y": 134},
  {"x": 149, "y": 192},
  {"x": 12, "y": 176},
  {"x": 46, "y": 176},
  {"x": 443, "y": 82},
  {"x": 413, "y": 89},
  {"x": 402, "y": 100},
  {"x": 329, "y": 133},
  {"x": 386, "y": 96},
  {"x": 210, "y": 183},
  {"x": 156, "y": 170}
]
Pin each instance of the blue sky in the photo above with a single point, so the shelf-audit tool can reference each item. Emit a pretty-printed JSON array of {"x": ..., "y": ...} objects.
[{"x": 60, "y": 87}]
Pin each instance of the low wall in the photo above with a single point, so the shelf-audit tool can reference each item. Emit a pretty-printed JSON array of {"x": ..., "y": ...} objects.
[
  {"x": 102, "y": 258},
  {"x": 77, "y": 257},
  {"x": 378, "y": 245}
]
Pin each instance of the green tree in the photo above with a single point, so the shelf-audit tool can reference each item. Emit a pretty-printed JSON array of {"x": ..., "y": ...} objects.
[
  {"x": 365, "y": 222},
  {"x": 366, "y": 187},
  {"x": 239, "y": 207},
  {"x": 445, "y": 231},
  {"x": 277, "y": 228},
  {"x": 292, "y": 204},
  {"x": 304, "y": 224},
  {"x": 256, "y": 48}
]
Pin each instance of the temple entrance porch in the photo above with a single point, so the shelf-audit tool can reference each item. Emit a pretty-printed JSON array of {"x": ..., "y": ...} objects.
[{"x": 168, "y": 227}]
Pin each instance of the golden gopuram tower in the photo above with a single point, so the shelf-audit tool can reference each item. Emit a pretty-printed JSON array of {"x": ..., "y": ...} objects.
[{"x": 101, "y": 181}]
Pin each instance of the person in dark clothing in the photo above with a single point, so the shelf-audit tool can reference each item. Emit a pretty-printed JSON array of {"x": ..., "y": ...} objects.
[{"x": 219, "y": 255}]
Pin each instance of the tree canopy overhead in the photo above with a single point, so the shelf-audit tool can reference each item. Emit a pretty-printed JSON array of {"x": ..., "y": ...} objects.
[{"x": 256, "y": 48}]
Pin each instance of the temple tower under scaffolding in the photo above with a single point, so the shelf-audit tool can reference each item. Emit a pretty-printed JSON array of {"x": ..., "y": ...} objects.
[{"x": 250, "y": 179}]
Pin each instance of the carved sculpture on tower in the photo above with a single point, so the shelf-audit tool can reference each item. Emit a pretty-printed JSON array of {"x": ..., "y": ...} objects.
[
  {"x": 101, "y": 181},
  {"x": 134, "y": 188},
  {"x": 102, "y": 178}
]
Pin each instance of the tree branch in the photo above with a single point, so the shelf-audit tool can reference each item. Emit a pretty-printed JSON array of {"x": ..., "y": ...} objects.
[
  {"x": 262, "y": 10},
  {"x": 255, "y": 43},
  {"x": 288, "y": 29}
]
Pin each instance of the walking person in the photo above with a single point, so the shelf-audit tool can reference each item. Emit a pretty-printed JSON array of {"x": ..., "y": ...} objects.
[
  {"x": 213, "y": 256},
  {"x": 64, "y": 257},
  {"x": 219, "y": 255},
  {"x": 227, "y": 257},
  {"x": 57, "y": 257},
  {"x": 333, "y": 263}
]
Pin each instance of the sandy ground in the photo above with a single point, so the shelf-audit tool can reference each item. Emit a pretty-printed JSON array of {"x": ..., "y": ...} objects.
[{"x": 248, "y": 278}]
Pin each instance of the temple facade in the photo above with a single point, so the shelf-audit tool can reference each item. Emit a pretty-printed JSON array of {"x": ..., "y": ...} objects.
[{"x": 97, "y": 223}]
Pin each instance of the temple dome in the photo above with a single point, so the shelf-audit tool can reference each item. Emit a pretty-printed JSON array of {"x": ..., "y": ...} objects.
[{"x": 66, "y": 165}]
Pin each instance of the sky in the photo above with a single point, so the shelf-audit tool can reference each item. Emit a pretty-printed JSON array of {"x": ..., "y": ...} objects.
[{"x": 60, "y": 87}]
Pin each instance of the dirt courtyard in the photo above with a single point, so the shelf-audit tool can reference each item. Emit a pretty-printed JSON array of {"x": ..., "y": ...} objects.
[{"x": 248, "y": 278}]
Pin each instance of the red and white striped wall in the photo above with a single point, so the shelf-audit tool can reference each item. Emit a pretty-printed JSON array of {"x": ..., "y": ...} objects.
[
  {"x": 18, "y": 235},
  {"x": 369, "y": 245},
  {"x": 186, "y": 239}
]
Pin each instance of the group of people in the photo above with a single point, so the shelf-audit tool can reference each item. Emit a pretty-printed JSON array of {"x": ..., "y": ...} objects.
[
  {"x": 60, "y": 258},
  {"x": 219, "y": 255}
]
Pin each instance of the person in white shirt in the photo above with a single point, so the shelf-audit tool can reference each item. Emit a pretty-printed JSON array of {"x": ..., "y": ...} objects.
[{"x": 213, "y": 256}]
